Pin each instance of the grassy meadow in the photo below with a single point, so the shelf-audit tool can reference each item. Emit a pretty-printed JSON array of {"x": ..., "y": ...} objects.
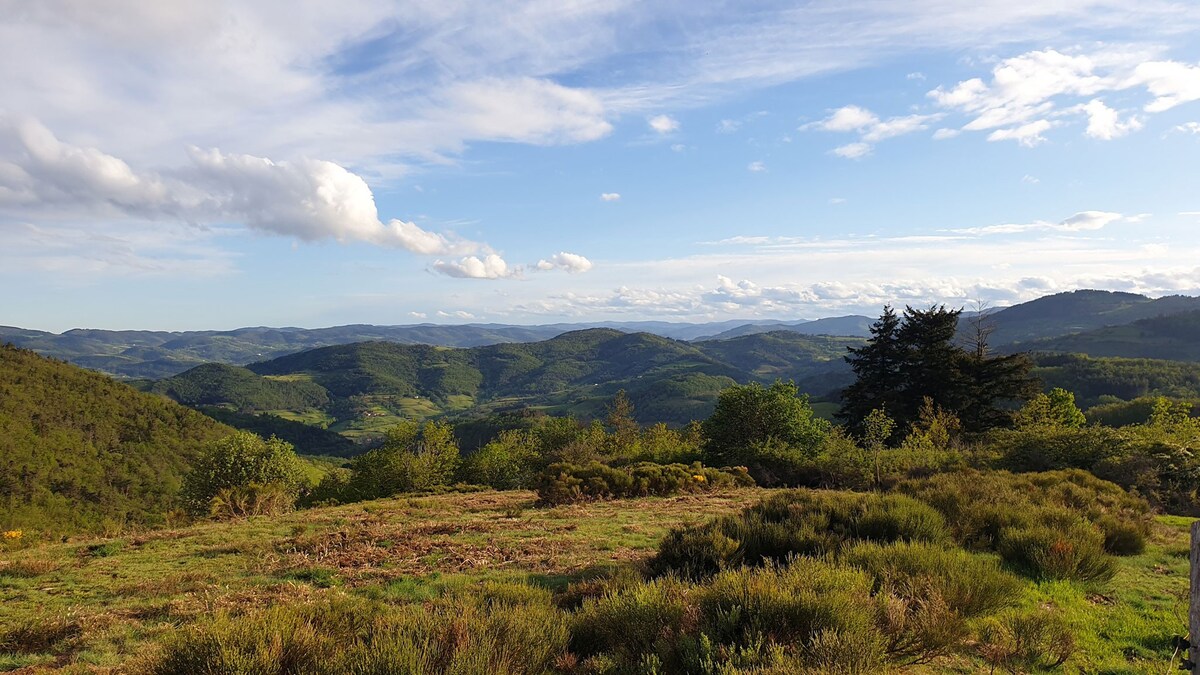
[{"x": 108, "y": 605}]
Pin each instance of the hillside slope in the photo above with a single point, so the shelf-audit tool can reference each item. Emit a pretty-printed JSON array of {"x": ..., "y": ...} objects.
[
  {"x": 1175, "y": 337},
  {"x": 368, "y": 384},
  {"x": 79, "y": 451},
  {"x": 1078, "y": 311}
]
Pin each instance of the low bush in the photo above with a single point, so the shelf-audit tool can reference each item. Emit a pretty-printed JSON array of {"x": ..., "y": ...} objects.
[
  {"x": 562, "y": 483},
  {"x": 502, "y": 630},
  {"x": 796, "y": 522},
  {"x": 810, "y": 615},
  {"x": 979, "y": 506},
  {"x": 928, "y": 594},
  {"x": 1028, "y": 642},
  {"x": 1074, "y": 552}
]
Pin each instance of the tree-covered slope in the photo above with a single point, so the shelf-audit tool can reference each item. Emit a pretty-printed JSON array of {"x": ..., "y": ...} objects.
[
  {"x": 1078, "y": 311},
  {"x": 219, "y": 384},
  {"x": 1091, "y": 378},
  {"x": 576, "y": 372},
  {"x": 1174, "y": 337},
  {"x": 79, "y": 452}
]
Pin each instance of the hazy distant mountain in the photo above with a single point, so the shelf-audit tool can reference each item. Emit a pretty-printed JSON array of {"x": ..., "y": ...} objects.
[
  {"x": 849, "y": 326},
  {"x": 158, "y": 354}
]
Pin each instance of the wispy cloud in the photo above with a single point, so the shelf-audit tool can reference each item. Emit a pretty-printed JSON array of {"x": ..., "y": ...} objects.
[{"x": 869, "y": 127}]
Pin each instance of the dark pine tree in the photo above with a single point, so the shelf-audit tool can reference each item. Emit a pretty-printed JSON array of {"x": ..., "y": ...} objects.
[
  {"x": 914, "y": 357},
  {"x": 876, "y": 367}
]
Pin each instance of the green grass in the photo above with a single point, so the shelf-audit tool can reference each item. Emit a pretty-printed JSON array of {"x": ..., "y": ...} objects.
[
  {"x": 313, "y": 417},
  {"x": 420, "y": 549}
]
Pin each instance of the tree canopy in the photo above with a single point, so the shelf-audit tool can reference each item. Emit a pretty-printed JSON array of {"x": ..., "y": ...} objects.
[
  {"x": 750, "y": 416},
  {"x": 913, "y": 357}
]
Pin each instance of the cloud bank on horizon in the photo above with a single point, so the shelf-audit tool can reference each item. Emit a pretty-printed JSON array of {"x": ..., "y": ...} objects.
[{"x": 278, "y": 163}]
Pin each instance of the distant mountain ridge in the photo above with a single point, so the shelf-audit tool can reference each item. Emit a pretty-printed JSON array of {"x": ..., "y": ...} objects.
[{"x": 159, "y": 354}]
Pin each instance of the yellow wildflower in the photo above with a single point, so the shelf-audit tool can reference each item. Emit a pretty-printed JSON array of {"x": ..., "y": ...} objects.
[
  {"x": 699, "y": 478},
  {"x": 13, "y": 534}
]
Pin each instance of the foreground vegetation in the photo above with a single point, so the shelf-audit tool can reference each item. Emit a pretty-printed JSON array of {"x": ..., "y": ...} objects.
[{"x": 466, "y": 582}]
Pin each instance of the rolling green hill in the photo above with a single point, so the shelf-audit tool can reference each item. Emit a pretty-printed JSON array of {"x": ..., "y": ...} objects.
[
  {"x": 80, "y": 452},
  {"x": 1175, "y": 337},
  {"x": 360, "y": 388},
  {"x": 1078, "y": 311}
]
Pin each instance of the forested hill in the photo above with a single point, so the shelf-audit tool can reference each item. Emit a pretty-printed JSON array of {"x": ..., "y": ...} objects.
[
  {"x": 1076, "y": 312},
  {"x": 669, "y": 380},
  {"x": 1175, "y": 337},
  {"x": 79, "y": 451}
]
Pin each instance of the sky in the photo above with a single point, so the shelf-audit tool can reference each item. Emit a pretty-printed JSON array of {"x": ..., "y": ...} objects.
[{"x": 211, "y": 165}]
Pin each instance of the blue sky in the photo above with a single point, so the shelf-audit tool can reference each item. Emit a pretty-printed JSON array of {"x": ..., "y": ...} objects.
[{"x": 214, "y": 165}]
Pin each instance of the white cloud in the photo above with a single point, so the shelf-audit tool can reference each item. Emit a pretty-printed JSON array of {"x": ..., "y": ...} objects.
[
  {"x": 944, "y": 134},
  {"x": 418, "y": 315},
  {"x": 756, "y": 167},
  {"x": 306, "y": 199},
  {"x": 1105, "y": 123},
  {"x": 1189, "y": 128},
  {"x": 915, "y": 76},
  {"x": 1084, "y": 221},
  {"x": 853, "y": 150},
  {"x": 456, "y": 314},
  {"x": 847, "y": 118},
  {"x": 837, "y": 200},
  {"x": 525, "y": 109},
  {"x": 610, "y": 196},
  {"x": 663, "y": 124},
  {"x": 490, "y": 266},
  {"x": 1027, "y": 93},
  {"x": 1028, "y": 135},
  {"x": 571, "y": 263},
  {"x": 728, "y": 126},
  {"x": 1030, "y": 180},
  {"x": 1171, "y": 82},
  {"x": 869, "y": 126}
]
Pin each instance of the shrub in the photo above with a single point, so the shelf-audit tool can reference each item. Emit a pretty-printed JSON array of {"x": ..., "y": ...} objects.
[
  {"x": 1075, "y": 552},
  {"x": 809, "y": 614},
  {"x": 413, "y": 457},
  {"x": 500, "y": 631},
  {"x": 507, "y": 462},
  {"x": 695, "y": 552},
  {"x": 927, "y": 594},
  {"x": 236, "y": 463},
  {"x": 972, "y": 584},
  {"x": 251, "y": 500},
  {"x": 646, "y": 618},
  {"x": 1026, "y": 642},
  {"x": 750, "y": 415},
  {"x": 789, "y": 605},
  {"x": 565, "y": 483},
  {"x": 978, "y": 505},
  {"x": 1122, "y": 537},
  {"x": 796, "y": 522}
]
